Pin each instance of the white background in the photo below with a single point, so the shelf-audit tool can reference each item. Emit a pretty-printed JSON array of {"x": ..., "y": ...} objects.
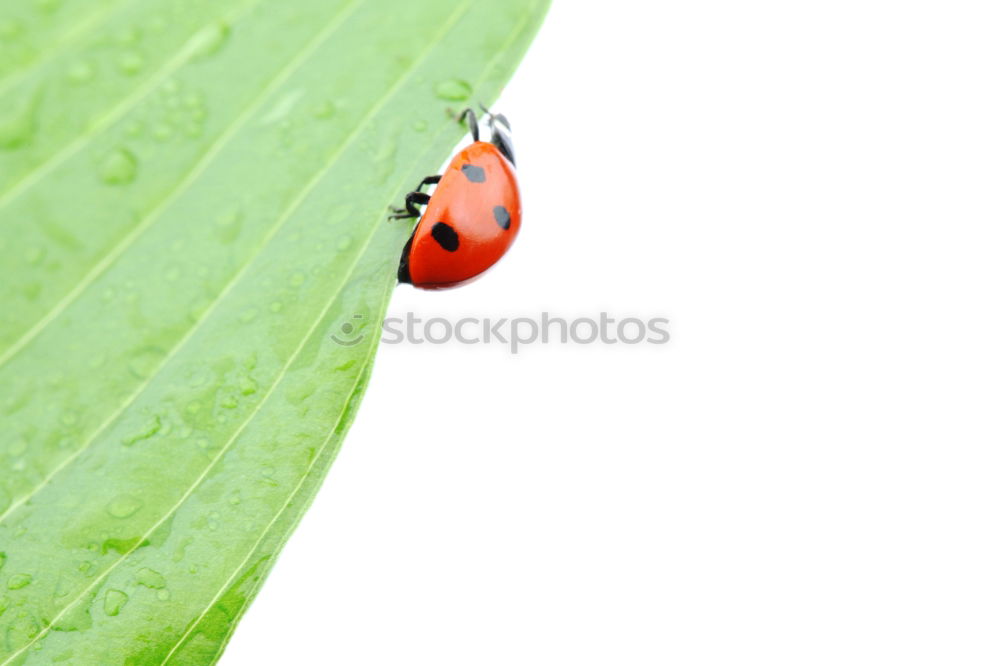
[{"x": 806, "y": 474}]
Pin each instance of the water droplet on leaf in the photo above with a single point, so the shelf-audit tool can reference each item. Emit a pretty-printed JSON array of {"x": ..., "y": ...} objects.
[
  {"x": 17, "y": 124},
  {"x": 150, "y": 578},
  {"x": 124, "y": 506},
  {"x": 129, "y": 35},
  {"x": 119, "y": 167},
  {"x": 146, "y": 432},
  {"x": 248, "y": 386},
  {"x": 145, "y": 361},
  {"x": 207, "y": 41},
  {"x": 324, "y": 109},
  {"x": 80, "y": 72},
  {"x": 9, "y": 29},
  {"x": 48, "y": 6},
  {"x": 229, "y": 225},
  {"x": 17, "y": 581},
  {"x": 114, "y": 601},
  {"x": 453, "y": 90},
  {"x": 130, "y": 63},
  {"x": 34, "y": 255}
]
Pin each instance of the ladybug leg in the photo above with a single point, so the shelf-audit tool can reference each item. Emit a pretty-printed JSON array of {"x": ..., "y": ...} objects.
[
  {"x": 403, "y": 213},
  {"x": 413, "y": 199},
  {"x": 429, "y": 180}
]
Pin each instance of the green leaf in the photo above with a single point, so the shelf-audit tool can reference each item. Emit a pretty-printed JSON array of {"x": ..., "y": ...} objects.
[{"x": 193, "y": 202}]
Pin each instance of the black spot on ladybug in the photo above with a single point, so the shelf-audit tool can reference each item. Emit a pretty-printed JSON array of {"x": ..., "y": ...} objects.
[
  {"x": 502, "y": 217},
  {"x": 445, "y": 236},
  {"x": 473, "y": 173}
]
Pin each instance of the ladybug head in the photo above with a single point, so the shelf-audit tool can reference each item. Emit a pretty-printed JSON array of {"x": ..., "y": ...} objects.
[{"x": 501, "y": 134}]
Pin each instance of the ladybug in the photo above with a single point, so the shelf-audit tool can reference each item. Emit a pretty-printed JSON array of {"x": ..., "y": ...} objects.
[{"x": 471, "y": 218}]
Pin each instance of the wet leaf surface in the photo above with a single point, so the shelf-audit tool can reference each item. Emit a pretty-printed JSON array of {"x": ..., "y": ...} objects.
[{"x": 193, "y": 208}]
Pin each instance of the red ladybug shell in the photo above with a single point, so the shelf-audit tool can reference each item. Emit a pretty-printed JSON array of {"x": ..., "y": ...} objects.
[{"x": 472, "y": 218}]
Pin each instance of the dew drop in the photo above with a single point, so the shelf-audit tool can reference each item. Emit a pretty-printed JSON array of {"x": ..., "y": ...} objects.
[
  {"x": 209, "y": 40},
  {"x": 194, "y": 100},
  {"x": 80, "y": 72},
  {"x": 248, "y": 315},
  {"x": 17, "y": 124},
  {"x": 163, "y": 595},
  {"x": 235, "y": 498},
  {"x": 3, "y": 559},
  {"x": 453, "y": 90},
  {"x": 124, "y": 506},
  {"x": 228, "y": 225},
  {"x": 324, "y": 109},
  {"x": 297, "y": 279},
  {"x": 199, "y": 307},
  {"x": 17, "y": 581},
  {"x": 114, "y": 601},
  {"x": 48, "y": 6},
  {"x": 162, "y": 132},
  {"x": 130, "y": 35},
  {"x": 34, "y": 255},
  {"x": 9, "y": 29},
  {"x": 150, "y": 578},
  {"x": 119, "y": 167},
  {"x": 420, "y": 125},
  {"x": 283, "y": 107},
  {"x": 248, "y": 386},
  {"x": 130, "y": 63},
  {"x": 145, "y": 361},
  {"x": 276, "y": 306},
  {"x": 147, "y": 431}
]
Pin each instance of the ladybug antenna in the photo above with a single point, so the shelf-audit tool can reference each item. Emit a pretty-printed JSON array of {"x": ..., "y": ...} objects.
[
  {"x": 500, "y": 133},
  {"x": 495, "y": 117},
  {"x": 469, "y": 116}
]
